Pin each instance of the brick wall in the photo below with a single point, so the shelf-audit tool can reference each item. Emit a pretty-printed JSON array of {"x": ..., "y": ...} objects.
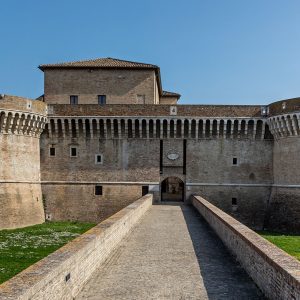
[
  {"x": 119, "y": 86},
  {"x": 284, "y": 210},
  {"x": 79, "y": 258},
  {"x": 217, "y": 111},
  {"x": 274, "y": 271},
  {"x": 20, "y": 190}
]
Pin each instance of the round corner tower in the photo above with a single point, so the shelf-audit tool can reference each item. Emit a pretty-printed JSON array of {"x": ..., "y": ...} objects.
[
  {"x": 284, "y": 121},
  {"x": 21, "y": 123}
]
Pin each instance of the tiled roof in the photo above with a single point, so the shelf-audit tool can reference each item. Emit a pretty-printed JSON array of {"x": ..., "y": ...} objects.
[
  {"x": 170, "y": 94},
  {"x": 101, "y": 63}
]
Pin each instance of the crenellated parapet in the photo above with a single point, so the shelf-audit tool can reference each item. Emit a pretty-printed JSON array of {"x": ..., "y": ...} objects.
[
  {"x": 284, "y": 118},
  {"x": 21, "y": 116},
  {"x": 286, "y": 125},
  {"x": 120, "y": 127}
]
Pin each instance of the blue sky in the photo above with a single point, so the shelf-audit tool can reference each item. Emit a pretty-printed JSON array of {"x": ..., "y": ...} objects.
[{"x": 209, "y": 51}]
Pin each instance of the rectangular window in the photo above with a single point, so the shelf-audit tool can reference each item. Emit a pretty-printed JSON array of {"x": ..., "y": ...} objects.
[
  {"x": 52, "y": 151},
  {"x": 98, "y": 190},
  {"x": 101, "y": 99},
  {"x": 73, "y": 99},
  {"x": 98, "y": 159},
  {"x": 73, "y": 151},
  {"x": 234, "y": 161},
  {"x": 234, "y": 201},
  {"x": 145, "y": 190}
]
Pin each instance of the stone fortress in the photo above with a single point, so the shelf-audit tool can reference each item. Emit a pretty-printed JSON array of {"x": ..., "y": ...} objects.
[{"x": 105, "y": 133}]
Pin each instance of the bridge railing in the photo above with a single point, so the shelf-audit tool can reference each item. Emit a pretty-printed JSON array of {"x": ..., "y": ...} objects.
[
  {"x": 62, "y": 274},
  {"x": 275, "y": 272}
]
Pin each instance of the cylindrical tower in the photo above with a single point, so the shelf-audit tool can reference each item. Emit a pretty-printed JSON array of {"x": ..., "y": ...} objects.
[
  {"x": 284, "y": 206},
  {"x": 21, "y": 123}
]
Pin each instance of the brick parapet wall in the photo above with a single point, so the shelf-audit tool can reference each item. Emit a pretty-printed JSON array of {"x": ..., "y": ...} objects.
[
  {"x": 80, "y": 258},
  {"x": 217, "y": 111},
  {"x": 25, "y": 105},
  {"x": 274, "y": 271},
  {"x": 284, "y": 107}
]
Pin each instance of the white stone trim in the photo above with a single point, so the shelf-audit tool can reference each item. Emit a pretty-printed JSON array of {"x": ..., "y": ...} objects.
[{"x": 153, "y": 183}]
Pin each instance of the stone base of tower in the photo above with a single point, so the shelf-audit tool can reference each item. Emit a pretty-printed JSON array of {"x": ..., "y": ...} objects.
[
  {"x": 21, "y": 205},
  {"x": 284, "y": 210}
]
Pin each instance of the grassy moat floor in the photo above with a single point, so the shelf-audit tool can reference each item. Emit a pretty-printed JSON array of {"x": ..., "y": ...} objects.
[
  {"x": 287, "y": 242},
  {"x": 20, "y": 248}
]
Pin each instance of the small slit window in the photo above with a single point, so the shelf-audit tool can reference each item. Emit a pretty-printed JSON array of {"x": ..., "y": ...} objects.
[
  {"x": 52, "y": 151},
  {"x": 98, "y": 159},
  {"x": 234, "y": 161},
  {"x": 98, "y": 190},
  {"x": 73, "y": 151},
  {"x": 234, "y": 201}
]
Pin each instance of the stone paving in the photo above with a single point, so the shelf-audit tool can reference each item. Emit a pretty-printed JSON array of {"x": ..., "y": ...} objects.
[{"x": 171, "y": 254}]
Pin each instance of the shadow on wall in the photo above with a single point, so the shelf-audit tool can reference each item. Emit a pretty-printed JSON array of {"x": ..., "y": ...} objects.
[{"x": 222, "y": 276}]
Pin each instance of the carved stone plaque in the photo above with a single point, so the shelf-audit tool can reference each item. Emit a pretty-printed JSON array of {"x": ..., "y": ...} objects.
[{"x": 172, "y": 155}]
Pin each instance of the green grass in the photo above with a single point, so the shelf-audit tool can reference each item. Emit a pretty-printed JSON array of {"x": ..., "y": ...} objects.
[
  {"x": 20, "y": 248},
  {"x": 288, "y": 243}
]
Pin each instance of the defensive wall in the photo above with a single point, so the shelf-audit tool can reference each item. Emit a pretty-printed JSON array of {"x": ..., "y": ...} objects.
[
  {"x": 21, "y": 123},
  {"x": 134, "y": 142},
  {"x": 62, "y": 274},
  {"x": 284, "y": 203},
  {"x": 275, "y": 272}
]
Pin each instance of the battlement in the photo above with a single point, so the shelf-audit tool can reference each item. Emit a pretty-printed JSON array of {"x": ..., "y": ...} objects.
[
  {"x": 22, "y": 116},
  {"x": 157, "y": 127}
]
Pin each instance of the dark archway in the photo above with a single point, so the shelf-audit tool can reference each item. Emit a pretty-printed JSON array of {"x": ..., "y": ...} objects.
[{"x": 172, "y": 189}]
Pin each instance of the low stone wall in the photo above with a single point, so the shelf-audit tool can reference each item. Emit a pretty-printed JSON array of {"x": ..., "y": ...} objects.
[
  {"x": 275, "y": 272},
  {"x": 62, "y": 274}
]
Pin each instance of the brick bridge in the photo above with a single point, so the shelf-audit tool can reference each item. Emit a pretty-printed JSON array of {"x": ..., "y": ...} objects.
[
  {"x": 171, "y": 254},
  {"x": 170, "y": 251}
]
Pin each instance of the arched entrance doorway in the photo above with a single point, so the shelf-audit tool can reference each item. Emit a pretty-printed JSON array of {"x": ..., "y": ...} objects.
[{"x": 172, "y": 189}]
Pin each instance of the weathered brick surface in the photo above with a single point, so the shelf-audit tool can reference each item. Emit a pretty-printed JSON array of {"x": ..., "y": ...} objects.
[
  {"x": 20, "y": 104},
  {"x": 20, "y": 189},
  {"x": 217, "y": 111},
  {"x": 274, "y": 271},
  {"x": 284, "y": 211},
  {"x": 78, "y": 202},
  {"x": 284, "y": 106},
  {"x": 79, "y": 258},
  {"x": 119, "y": 86}
]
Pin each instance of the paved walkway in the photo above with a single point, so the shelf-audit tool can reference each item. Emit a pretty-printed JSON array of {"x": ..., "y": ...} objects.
[{"x": 171, "y": 254}]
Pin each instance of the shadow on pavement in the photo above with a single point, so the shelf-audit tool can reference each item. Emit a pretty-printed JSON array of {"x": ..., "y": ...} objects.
[{"x": 223, "y": 276}]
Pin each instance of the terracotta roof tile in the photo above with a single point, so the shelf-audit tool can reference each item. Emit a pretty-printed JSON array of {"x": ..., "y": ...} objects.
[
  {"x": 101, "y": 63},
  {"x": 170, "y": 94}
]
